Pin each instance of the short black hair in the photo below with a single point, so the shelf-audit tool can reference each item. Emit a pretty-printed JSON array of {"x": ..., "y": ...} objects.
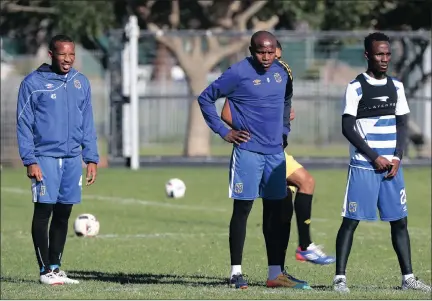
[
  {"x": 278, "y": 45},
  {"x": 59, "y": 38},
  {"x": 376, "y": 36}
]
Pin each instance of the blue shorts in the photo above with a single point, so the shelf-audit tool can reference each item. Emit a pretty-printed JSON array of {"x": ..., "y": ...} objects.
[
  {"x": 253, "y": 175},
  {"x": 61, "y": 181},
  {"x": 368, "y": 190}
]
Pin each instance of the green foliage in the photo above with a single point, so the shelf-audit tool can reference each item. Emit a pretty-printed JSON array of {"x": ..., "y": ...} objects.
[{"x": 84, "y": 19}]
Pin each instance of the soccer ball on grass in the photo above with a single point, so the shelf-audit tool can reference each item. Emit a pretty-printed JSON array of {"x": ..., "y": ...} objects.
[
  {"x": 175, "y": 188},
  {"x": 86, "y": 225}
]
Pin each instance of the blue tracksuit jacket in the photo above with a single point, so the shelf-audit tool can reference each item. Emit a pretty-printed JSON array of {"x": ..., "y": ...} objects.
[
  {"x": 55, "y": 116},
  {"x": 260, "y": 103}
]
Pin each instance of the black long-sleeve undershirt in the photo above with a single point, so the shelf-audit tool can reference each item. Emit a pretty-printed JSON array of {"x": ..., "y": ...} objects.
[
  {"x": 348, "y": 124},
  {"x": 401, "y": 134}
]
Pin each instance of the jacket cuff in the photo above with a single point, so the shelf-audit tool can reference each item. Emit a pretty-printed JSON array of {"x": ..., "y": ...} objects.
[{"x": 223, "y": 132}]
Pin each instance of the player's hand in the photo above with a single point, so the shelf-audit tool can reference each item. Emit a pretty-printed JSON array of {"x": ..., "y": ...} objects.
[
  {"x": 34, "y": 172},
  {"x": 237, "y": 137},
  {"x": 91, "y": 173},
  {"x": 394, "y": 168},
  {"x": 382, "y": 163},
  {"x": 292, "y": 114}
]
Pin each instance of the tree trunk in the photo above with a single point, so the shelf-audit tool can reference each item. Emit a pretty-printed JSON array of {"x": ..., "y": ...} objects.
[{"x": 197, "y": 142}]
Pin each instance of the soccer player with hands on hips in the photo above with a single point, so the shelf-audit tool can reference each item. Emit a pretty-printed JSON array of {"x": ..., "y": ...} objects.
[
  {"x": 301, "y": 183},
  {"x": 257, "y": 89},
  {"x": 374, "y": 121},
  {"x": 56, "y": 132}
]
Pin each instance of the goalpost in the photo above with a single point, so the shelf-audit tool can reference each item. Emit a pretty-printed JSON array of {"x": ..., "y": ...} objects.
[{"x": 130, "y": 128}]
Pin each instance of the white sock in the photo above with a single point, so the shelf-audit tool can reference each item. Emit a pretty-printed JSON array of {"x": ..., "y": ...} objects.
[
  {"x": 274, "y": 271},
  {"x": 336, "y": 277},
  {"x": 405, "y": 277},
  {"x": 235, "y": 269}
]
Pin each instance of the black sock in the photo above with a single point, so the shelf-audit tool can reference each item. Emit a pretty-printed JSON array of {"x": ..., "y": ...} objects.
[
  {"x": 272, "y": 227},
  {"x": 58, "y": 232},
  {"x": 237, "y": 229},
  {"x": 286, "y": 215},
  {"x": 41, "y": 216},
  {"x": 344, "y": 241},
  {"x": 303, "y": 210},
  {"x": 401, "y": 244}
]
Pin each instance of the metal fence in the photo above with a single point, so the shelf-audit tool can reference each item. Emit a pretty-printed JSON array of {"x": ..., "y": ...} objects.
[{"x": 322, "y": 62}]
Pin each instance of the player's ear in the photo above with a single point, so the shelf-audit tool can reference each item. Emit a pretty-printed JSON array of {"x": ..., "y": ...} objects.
[
  {"x": 50, "y": 53},
  {"x": 251, "y": 50},
  {"x": 366, "y": 54}
]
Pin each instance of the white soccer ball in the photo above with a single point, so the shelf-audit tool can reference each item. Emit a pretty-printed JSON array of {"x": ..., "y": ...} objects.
[
  {"x": 175, "y": 188},
  {"x": 86, "y": 225}
]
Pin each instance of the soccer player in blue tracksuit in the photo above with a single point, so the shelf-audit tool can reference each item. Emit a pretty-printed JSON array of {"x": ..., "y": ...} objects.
[
  {"x": 256, "y": 87},
  {"x": 55, "y": 131}
]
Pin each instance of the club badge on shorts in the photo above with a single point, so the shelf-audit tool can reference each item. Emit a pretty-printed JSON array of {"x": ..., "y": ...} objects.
[
  {"x": 352, "y": 207},
  {"x": 238, "y": 188}
]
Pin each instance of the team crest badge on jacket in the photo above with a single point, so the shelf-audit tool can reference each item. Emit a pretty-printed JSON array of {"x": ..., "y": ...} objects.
[
  {"x": 277, "y": 77},
  {"x": 77, "y": 84}
]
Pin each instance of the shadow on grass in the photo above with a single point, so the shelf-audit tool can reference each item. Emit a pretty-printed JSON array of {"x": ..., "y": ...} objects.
[
  {"x": 149, "y": 278},
  {"x": 187, "y": 280},
  {"x": 16, "y": 280}
]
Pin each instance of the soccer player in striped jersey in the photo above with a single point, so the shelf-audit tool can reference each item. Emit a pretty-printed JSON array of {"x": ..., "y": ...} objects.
[{"x": 374, "y": 121}]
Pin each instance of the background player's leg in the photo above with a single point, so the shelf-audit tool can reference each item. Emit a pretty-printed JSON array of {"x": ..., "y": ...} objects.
[
  {"x": 298, "y": 176},
  {"x": 58, "y": 233},
  {"x": 305, "y": 183}
]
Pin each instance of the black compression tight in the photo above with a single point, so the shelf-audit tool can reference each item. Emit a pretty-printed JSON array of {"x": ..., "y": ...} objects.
[
  {"x": 400, "y": 241},
  {"x": 237, "y": 229},
  {"x": 49, "y": 250},
  {"x": 272, "y": 229},
  {"x": 401, "y": 244}
]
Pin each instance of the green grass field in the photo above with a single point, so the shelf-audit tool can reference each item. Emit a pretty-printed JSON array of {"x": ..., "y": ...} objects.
[{"x": 151, "y": 247}]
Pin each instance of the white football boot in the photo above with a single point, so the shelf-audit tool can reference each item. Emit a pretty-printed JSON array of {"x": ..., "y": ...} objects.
[
  {"x": 414, "y": 284},
  {"x": 62, "y": 275},
  {"x": 51, "y": 279}
]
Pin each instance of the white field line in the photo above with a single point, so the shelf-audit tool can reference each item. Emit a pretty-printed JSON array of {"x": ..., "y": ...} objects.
[
  {"x": 168, "y": 235},
  {"x": 126, "y": 201},
  {"x": 414, "y": 231},
  {"x": 160, "y": 235}
]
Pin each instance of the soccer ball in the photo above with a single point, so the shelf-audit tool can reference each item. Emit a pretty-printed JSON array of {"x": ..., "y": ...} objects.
[
  {"x": 175, "y": 188},
  {"x": 86, "y": 225}
]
